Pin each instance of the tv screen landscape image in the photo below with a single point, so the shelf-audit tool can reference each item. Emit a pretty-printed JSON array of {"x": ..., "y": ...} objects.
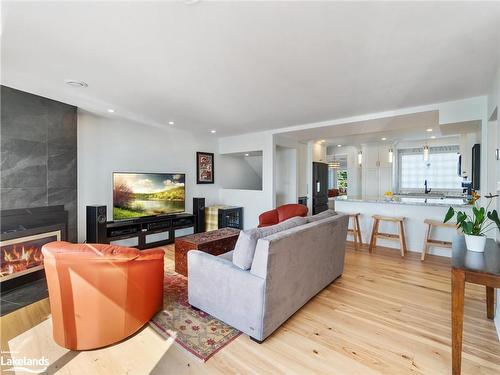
[{"x": 146, "y": 194}]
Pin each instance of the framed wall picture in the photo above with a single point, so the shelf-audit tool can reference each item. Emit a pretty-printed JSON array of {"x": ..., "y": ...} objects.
[{"x": 204, "y": 168}]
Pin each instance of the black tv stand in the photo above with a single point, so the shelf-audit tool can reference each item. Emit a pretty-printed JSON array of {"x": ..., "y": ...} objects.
[{"x": 142, "y": 227}]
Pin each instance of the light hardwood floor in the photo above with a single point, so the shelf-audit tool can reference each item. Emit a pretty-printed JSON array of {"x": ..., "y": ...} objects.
[{"x": 385, "y": 315}]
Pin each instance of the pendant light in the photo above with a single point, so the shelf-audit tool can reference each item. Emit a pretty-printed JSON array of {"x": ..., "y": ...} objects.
[
  {"x": 426, "y": 153},
  {"x": 360, "y": 158},
  {"x": 334, "y": 164},
  {"x": 391, "y": 154}
]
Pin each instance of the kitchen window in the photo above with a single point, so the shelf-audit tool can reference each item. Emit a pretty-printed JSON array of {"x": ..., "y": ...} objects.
[
  {"x": 440, "y": 171},
  {"x": 337, "y": 179}
]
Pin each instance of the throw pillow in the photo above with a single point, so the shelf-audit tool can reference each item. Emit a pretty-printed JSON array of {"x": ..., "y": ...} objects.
[{"x": 247, "y": 240}]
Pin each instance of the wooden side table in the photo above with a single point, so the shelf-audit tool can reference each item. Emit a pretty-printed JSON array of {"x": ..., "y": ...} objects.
[
  {"x": 215, "y": 242},
  {"x": 477, "y": 268}
]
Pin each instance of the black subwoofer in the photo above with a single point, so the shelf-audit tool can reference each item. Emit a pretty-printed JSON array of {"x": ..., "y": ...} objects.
[
  {"x": 96, "y": 224},
  {"x": 199, "y": 214}
]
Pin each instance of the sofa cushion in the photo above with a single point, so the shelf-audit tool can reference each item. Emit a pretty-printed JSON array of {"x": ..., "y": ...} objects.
[
  {"x": 321, "y": 215},
  {"x": 227, "y": 256},
  {"x": 247, "y": 240}
]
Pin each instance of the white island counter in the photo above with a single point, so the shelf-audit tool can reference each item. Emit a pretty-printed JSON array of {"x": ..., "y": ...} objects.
[{"x": 414, "y": 209}]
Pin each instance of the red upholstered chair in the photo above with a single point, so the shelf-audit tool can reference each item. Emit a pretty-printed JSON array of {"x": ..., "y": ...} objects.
[{"x": 281, "y": 213}]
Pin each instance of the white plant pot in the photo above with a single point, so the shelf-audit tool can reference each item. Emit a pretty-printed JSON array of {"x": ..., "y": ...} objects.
[{"x": 475, "y": 243}]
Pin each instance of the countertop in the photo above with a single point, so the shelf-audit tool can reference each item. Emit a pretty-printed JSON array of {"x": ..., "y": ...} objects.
[{"x": 407, "y": 200}]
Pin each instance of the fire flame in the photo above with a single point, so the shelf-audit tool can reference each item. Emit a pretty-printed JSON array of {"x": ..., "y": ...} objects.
[{"x": 20, "y": 258}]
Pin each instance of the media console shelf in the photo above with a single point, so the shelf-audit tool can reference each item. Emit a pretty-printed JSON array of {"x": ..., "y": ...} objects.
[{"x": 143, "y": 227}]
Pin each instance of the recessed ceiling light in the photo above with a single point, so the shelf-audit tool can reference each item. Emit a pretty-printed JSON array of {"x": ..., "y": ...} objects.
[
  {"x": 75, "y": 83},
  {"x": 433, "y": 137},
  {"x": 247, "y": 154},
  {"x": 339, "y": 145},
  {"x": 171, "y": 122},
  {"x": 429, "y": 129},
  {"x": 213, "y": 131},
  {"x": 111, "y": 110},
  {"x": 384, "y": 138},
  {"x": 321, "y": 141}
]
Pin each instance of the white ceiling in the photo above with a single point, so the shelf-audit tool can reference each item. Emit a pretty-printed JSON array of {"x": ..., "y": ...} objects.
[
  {"x": 239, "y": 67},
  {"x": 421, "y": 126},
  {"x": 394, "y": 128}
]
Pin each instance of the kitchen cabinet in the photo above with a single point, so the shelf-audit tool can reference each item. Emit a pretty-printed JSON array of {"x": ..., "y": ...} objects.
[
  {"x": 376, "y": 170},
  {"x": 370, "y": 182},
  {"x": 385, "y": 180}
]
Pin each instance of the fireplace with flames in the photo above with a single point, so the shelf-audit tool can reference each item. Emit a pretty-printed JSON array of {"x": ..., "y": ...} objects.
[
  {"x": 23, "y": 255},
  {"x": 23, "y": 232}
]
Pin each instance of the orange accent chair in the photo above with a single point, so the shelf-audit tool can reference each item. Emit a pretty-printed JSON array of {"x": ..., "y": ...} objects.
[
  {"x": 282, "y": 213},
  {"x": 100, "y": 294}
]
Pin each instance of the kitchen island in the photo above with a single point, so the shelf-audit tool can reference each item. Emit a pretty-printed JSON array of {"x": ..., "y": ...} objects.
[{"x": 415, "y": 209}]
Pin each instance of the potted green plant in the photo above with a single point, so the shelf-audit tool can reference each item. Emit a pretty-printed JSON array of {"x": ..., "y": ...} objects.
[{"x": 476, "y": 226}]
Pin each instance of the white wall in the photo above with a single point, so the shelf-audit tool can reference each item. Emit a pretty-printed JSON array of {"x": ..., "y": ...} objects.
[
  {"x": 107, "y": 145},
  {"x": 493, "y": 107},
  {"x": 254, "y": 202},
  {"x": 319, "y": 152},
  {"x": 255, "y": 162},
  {"x": 302, "y": 169},
  {"x": 237, "y": 173},
  {"x": 286, "y": 175},
  {"x": 470, "y": 109}
]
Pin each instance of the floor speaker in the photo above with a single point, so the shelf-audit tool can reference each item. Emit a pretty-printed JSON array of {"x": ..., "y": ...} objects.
[
  {"x": 199, "y": 214},
  {"x": 96, "y": 224}
]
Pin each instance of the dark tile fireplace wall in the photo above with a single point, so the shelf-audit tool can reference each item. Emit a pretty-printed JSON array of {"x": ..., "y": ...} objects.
[{"x": 38, "y": 154}]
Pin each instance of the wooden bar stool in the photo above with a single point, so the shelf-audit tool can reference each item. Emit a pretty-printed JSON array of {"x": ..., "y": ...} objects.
[
  {"x": 356, "y": 230},
  {"x": 429, "y": 242},
  {"x": 388, "y": 236}
]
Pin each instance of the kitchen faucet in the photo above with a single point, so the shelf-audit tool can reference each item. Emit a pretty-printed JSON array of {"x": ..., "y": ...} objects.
[{"x": 426, "y": 191}]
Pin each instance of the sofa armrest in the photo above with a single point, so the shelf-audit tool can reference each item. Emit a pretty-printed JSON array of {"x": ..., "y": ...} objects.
[{"x": 226, "y": 292}]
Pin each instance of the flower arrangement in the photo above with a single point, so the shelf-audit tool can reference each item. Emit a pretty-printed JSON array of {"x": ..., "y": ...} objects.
[
  {"x": 474, "y": 197},
  {"x": 476, "y": 226}
]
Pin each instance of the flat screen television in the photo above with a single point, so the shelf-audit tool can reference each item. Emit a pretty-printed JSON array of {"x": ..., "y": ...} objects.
[{"x": 147, "y": 194}]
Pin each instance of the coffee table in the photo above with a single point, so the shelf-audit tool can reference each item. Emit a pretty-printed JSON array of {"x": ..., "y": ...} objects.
[{"x": 215, "y": 242}]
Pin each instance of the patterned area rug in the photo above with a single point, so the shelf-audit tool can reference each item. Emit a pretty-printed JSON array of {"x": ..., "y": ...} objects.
[{"x": 196, "y": 331}]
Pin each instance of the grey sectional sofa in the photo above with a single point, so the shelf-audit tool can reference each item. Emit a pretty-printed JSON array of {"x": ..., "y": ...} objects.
[{"x": 288, "y": 268}]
